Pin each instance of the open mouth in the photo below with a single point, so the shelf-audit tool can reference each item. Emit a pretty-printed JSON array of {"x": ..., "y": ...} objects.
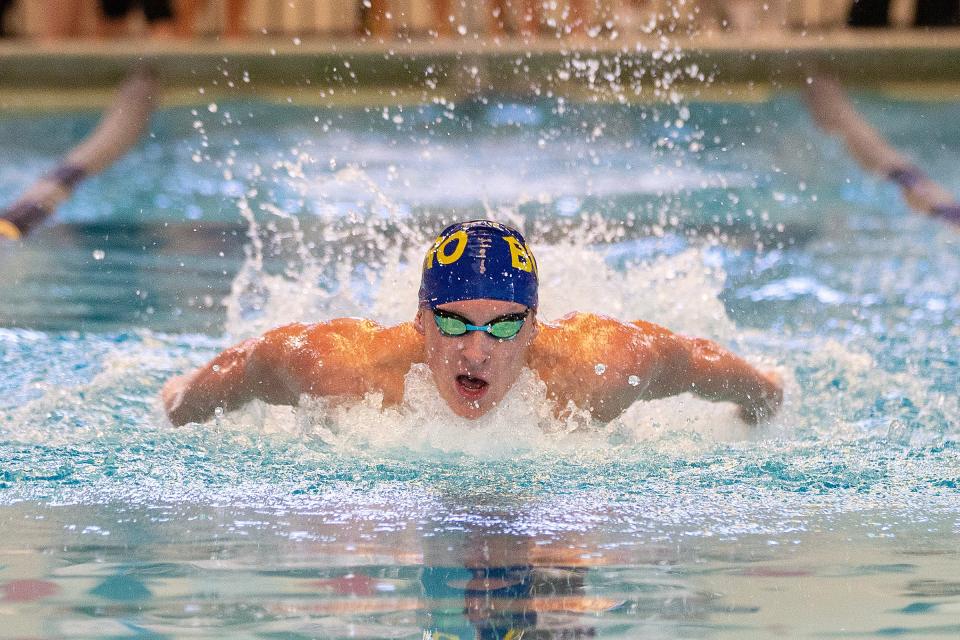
[{"x": 470, "y": 387}]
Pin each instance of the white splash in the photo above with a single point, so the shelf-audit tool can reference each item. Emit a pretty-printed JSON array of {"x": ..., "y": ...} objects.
[
  {"x": 523, "y": 421},
  {"x": 679, "y": 291}
]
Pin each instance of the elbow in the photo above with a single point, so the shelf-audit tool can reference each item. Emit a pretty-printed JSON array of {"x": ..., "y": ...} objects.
[{"x": 176, "y": 399}]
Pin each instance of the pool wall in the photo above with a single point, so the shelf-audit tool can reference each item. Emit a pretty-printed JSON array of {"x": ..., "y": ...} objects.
[{"x": 709, "y": 67}]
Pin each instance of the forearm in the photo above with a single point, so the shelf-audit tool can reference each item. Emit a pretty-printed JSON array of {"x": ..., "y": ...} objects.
[
  {"x": 260, "y": 368},
  {"x": 704, "y": 368},
  {"x": 718, "y": 375},
  {"x": 220, "y": 383},
  {"x": 734, "y": 380}
]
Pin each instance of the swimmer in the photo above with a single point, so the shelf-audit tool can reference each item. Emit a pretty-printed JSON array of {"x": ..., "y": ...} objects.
[
  {"x": 834, "y": 113},
  {"x": 121, "y": 127},
  {"x": 476, "y": 329}
]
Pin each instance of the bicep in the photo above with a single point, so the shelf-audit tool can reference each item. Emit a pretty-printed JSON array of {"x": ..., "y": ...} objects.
[
  {"x": 272, "y": 371},
  {"x": 672, "y": 360},
  {"x": 258, "y": 368}
]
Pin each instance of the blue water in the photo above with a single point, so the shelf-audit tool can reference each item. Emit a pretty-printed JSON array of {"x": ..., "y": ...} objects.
[{"x": 740, "y": 222}]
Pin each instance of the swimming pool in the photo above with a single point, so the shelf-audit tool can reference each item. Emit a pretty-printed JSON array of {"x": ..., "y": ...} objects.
[{"x": 737, "y": 221}]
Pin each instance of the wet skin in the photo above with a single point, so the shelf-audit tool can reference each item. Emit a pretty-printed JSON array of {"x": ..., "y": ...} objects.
[
  {"x": 348, "y": 358},
  {"x": 474, "y": 371}
]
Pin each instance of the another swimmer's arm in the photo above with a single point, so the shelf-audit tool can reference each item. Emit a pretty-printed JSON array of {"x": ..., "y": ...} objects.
[
  {"x": 258, "y": 368},
  {"x": 705, "y": 368},
  {"x": 835, "y": 113}
]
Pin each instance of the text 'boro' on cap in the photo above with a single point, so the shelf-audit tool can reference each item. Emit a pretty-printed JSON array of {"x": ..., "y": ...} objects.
[{"x": 479, "y": 259}]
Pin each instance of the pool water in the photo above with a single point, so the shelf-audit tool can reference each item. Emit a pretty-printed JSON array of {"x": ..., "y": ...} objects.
[{"x": 735, "y": 221}]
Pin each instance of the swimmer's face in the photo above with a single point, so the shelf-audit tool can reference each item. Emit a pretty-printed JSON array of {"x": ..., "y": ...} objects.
[{"x": 474, "y": 371}]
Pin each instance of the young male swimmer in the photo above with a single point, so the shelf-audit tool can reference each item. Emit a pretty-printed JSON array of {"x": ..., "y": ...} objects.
[{"x": 476, "y": 329}]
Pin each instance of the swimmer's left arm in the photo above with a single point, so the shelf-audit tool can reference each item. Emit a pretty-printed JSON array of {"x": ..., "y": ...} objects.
[{"x": 702, "y": 367}]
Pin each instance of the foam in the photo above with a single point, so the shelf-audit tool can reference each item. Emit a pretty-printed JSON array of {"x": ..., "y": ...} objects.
[{"x": 582, "y": 271}]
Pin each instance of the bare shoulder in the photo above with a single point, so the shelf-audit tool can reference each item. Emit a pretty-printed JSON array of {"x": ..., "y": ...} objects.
[
  {"x": 598, "y": 362},
  {"x": 347, "y": 337},
  {"x": 345, "y": 356},
  {"x": 589, "y": 334},
  {"x": 338, "y": 333}
]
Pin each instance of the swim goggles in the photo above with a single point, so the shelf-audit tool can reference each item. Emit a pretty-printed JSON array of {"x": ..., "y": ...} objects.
[{"x": 503, "y": 328}]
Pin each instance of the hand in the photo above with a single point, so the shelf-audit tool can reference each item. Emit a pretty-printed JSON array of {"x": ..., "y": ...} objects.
[{"x": 762, "y": 408}]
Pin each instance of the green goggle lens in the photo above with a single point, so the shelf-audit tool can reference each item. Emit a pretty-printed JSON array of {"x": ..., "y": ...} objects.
[
  {"x": 450, "y": 326},
  {"x": 504, "y": 329}
]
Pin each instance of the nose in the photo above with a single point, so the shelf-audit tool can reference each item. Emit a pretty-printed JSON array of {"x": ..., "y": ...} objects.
[{"x": 475, "y": 347}]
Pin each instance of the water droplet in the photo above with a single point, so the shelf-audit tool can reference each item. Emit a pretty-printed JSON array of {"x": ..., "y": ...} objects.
[
  {"x": 600, "y": 368},
  {"x": 633, "y": 380},
  {"x": 99, "y": 254},
  {"x": 218, "y": 412},
  {"x": 216, "y": 368},
  {"x": 462, "y": 29},
  {"x": 212, "y": 107}
]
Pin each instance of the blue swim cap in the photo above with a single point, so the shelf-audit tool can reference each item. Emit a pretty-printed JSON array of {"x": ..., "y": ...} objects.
[{"x": 479, "y": 259}]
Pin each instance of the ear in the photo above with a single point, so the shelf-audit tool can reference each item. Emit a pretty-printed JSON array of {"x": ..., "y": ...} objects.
[{"x": 418, "y": 321}]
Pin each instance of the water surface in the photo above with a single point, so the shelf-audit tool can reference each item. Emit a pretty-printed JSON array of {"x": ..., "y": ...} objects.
[{"x": 739, "y": 222}]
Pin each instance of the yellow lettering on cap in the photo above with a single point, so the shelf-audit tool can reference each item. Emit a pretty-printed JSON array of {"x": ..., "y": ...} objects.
[
  {"x": 460, "y": 237},
  {"x": 428, "y": 260},
  {"x": 520, "y": 256}
]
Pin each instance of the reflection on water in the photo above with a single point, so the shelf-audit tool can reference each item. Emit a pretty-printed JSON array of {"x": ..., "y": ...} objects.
[{"x": 201, "y": 571}]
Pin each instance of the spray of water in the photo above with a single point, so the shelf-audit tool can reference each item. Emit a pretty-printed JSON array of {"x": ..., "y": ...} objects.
[{"x": 372, "y": 269}]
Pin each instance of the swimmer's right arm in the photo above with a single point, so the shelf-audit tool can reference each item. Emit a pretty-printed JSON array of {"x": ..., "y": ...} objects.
[{"x": 259, "y": 368}]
